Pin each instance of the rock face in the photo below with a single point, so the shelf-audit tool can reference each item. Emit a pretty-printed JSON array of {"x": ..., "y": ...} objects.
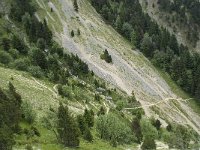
[{"x": 130, "y": 70}]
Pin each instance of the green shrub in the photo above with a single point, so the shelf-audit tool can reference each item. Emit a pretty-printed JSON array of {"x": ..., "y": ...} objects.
[
  {"x": 105, "y": 56},
  {"x": 29, "y": 147},
  {"x": 28, "y": 112},
  {"x": 148, "y": 130},
  {"x": 36, "y": 71},
  {"x": 120, "y": 105},
  {"x": 72, "y": 33},
  {"x": 148, "y": 143},
  {"x": 14, "y": 53},
  {"x": 111, "y": 128},
  {"x": 87, "y": 135},
  {"x": 5, "y": 58},
  {"x": 5, "y": 42},
  {"x": 22, "y": 64}
]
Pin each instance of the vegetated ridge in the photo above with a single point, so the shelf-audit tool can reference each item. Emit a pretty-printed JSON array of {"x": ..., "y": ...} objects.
[{"x": 130, "y": 70}]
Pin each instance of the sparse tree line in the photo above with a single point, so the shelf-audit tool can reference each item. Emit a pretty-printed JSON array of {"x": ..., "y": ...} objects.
[
  {"x": 10, "y": 116},
  {"x": 43, "y": 57},
  {"x": 69, "y": 128},
  {"x": 186, "y": 13},
  {"x": 156, "y": 43}
]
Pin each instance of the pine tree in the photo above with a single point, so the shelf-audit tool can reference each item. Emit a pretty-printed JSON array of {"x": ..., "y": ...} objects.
[
  {"x": 147, "y": 45},
  {"x": 157, "y": 124},
  {"x": 72, "y": 33},
  {"x": 78, "y": 32},
  {"x": 5, "y": 42},
  {"x": 133, "y": 38},
  {"x": 118, "y": 23},
  {"x": 75, "y": 5},
  {"x": 67, "y": 128},
  {"x": 47, "y": 32},
  {"x": 89, "y": 117},
  {"x": 102, "y": 111},
  {"x": 10, "y": 115},
  {"x": 39, "y": 58},
  {"x": 81, "y": 123}
]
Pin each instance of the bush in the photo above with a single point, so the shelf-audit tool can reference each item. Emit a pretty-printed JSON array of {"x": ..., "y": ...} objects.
[
  {"x": 180, "y": 138},
  {"x": 19, "y": 44},
  {"x": 72, "y": 33},
  {"x": 36, "y": 71},
  {"x": 22, "y": 64},
  {"x": 5, "y": 42},
  {"x": 28, "y": 112},
  {"x": 148, "y": 143},
  {"x": 120, "y": 105},
  {"x": 148, "y": 130},
  {"x": 105, "y": 56},
  {"x": 87, "y": 135},
  {"x": 14, "y": 53},
  {"x": 66, "y": 91},
  {"x": 5, "y": 58},
  {"x": 111, "y": 128},
  {"x": 35, "y": 130},
  {"x": 29, "y": 147}
]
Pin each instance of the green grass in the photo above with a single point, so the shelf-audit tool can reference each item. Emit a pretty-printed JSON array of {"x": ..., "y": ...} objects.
[
  {"x": 41, "y": 99},
  {"x": 47, "y": 141}
]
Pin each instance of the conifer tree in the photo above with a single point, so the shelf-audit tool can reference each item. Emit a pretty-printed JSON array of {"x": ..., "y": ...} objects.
[
  {"x": 89, "y": 117},
  {"x": 75, "y": 5},
  {"x": 5, "y": 42},
  {"x": 67, "y": 128},
  {"x": 81, "y": 123},
  {"x": 72, "y": 33}
]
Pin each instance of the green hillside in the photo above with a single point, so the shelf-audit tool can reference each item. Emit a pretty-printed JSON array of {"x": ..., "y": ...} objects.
[{"x": 64, "y": 85}]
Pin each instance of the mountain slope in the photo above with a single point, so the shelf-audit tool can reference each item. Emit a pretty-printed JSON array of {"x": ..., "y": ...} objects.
[
  {"x": 172, "y": 23},
  {"x": 130, "y": 70}
]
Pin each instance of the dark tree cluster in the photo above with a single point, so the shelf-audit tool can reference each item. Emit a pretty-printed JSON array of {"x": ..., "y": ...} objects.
[
  {"x": 187, "y": 14},
  {"x": 43, "y": 57},
  {"x": 76, "y": 6},
  {"x": 127, "y": 17},
  {"x": 19, "y": 8},
  {"x": 68, "y": 130},
  {"x": 85, "y": 123},
  {"x": 10, "y": 115},
  {"x": 106, "y": 56}
]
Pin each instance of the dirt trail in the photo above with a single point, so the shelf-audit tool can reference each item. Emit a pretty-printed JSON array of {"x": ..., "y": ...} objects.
[
  {"x": 42, "y": 85},
  {"x": 157, "y": 103},
  {"x": 130, "y": 70}
]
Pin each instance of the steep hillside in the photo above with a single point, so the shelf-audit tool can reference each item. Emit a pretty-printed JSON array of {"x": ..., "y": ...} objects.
[
  {"x": 68, "y": 80},
  {"x": 42, "y": 95},
  {"x": 177, "y": 20},
  {"x": 130, "y": 70}
]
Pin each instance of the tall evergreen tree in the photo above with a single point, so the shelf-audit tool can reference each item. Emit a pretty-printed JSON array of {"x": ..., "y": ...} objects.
[
  {"x": 81, "y": 123},
  {"x": 10, "y": 115},
  {"x": 89, "y": 117},
  {"x": 5, "y": 42},
  {"x": 75, "y": 5},
  {"x": 67, "y": 128}
]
